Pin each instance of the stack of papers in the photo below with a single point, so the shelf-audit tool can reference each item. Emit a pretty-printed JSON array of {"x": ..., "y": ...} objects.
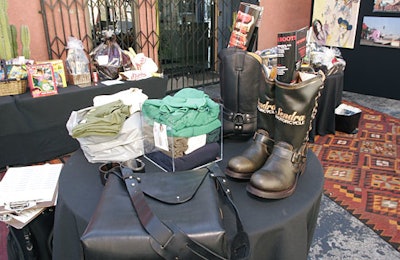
[{"x": 27, "y": 191}]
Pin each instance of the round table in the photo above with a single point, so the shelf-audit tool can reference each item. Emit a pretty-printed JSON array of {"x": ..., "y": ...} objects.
[{"x": 278, "y": 229}]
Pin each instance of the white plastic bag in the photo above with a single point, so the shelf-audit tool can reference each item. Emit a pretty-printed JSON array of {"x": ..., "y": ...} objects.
[{"x": 127, "y": 144}]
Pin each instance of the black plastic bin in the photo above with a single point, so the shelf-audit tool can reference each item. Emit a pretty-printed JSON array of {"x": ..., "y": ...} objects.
[{"x": 347, "y": 119}]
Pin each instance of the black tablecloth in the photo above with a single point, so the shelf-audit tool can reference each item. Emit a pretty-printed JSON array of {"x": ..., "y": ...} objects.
[
  {"x": 278, "y": 229},
  {"x": 33, "y": 129},
  {"x": 331, "y": 97}
]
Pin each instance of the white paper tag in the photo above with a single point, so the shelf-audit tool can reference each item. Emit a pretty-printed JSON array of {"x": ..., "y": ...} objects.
[
  {"x": 102, "y": 60},
  {"x": 160, "y": 136}
]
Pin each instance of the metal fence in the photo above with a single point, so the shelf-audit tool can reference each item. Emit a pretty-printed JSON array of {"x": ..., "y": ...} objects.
[{"x": 182, "y": 36}]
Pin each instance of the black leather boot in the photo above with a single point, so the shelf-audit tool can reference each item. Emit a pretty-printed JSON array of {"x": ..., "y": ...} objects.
[
  {"x": 241, "y": 76},
  {"x": 296, "y": 106},
  {"x": 244, "y": 165}
]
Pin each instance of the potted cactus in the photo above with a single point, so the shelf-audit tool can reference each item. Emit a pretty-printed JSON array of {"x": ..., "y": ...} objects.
[{"x": 8, "y": 36}]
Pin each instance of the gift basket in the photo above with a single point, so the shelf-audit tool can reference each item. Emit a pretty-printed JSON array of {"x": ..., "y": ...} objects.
[
  {"x": 77, "y": 63},
  {"x": 13, "y": 79},
  {"x": 109, "y": 59}
]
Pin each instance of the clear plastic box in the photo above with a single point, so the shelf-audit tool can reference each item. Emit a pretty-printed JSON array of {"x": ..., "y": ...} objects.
[{"x": 170, "y": 152}]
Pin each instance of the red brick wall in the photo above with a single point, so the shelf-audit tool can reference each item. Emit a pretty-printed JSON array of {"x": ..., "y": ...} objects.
[{"x": 280, "y": 16}]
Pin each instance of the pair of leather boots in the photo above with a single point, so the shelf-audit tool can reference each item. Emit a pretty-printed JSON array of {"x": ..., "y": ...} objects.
[{"x": 278, "y": 154}]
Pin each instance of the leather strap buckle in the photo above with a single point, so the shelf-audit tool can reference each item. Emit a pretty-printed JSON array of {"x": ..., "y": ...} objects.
[
  {"x": 238, "y": 119},
  {"x": 298, "y": 157},
  {"x": 136, "y": 165}
]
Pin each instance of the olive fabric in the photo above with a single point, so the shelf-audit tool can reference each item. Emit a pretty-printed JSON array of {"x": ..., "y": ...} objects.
[{"x": 105, "y": 120}]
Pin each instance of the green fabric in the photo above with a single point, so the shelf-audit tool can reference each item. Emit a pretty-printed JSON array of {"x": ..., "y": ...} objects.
[
  {"x": 105, "y": 120},
  {"x": 190, "y": 112},
  {"x": 214, "y": 136}
]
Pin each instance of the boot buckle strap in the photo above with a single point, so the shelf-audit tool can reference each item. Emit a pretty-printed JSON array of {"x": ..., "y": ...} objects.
[
  {"x": 298, "y": 158},
  {"x": 262, "y": 138},
  {"x": 238, "y": 119}
]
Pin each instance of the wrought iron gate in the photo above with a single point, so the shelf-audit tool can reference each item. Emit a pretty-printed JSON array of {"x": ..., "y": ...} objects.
[{"x": 182, "y": 36}]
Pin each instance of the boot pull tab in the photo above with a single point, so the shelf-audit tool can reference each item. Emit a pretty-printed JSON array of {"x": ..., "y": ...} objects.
[{"x": 239, "y": 61}]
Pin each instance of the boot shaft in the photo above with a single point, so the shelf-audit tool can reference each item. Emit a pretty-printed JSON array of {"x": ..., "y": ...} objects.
[
  {"x": 296, "y": 106},
  {"x": 266, "y": 107},
  {"x": 241, "y": 77}
]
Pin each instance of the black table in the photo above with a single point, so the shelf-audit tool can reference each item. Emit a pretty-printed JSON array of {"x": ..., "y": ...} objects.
[
  {"x": 278, "y": 229},
  {"x": 33, "y": 129},
  {"x": 331, "y": 97}
]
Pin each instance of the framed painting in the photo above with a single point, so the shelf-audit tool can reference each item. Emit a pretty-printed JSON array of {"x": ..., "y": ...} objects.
[
  {"x": 387, "y": 6},
  {"x": 334, "y": 22}
]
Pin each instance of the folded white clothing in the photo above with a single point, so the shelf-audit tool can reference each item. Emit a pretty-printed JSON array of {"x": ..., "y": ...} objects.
[{"x": 132, "y": 97}]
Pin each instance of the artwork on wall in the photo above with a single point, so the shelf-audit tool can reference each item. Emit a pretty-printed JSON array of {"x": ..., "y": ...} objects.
[
  {"x": 335, "y": 22},
  {"x": 381, "y": 31},
  {"x": 389, "y": 6}
]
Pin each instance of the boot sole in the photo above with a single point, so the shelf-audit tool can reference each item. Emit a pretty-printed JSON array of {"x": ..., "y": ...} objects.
[
  {"x": 272, "y": 194},
  {"x": 237, "y": 175}
]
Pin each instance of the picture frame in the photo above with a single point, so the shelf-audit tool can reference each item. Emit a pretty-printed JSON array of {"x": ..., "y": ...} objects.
[
  {"x": 335, "y": 22},
  {"x": 386, "y": 6},
  {"x": 381, "y": 31}
]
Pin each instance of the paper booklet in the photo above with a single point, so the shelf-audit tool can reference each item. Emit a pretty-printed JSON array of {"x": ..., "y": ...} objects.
[
  {"x": 244, "y": 31},
  {"x": 291, "y": 50},
  {"x": 29, "y": 187}
]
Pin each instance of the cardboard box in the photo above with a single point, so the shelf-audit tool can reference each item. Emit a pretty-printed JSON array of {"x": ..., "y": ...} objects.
[{"x": 347, "y": 119}]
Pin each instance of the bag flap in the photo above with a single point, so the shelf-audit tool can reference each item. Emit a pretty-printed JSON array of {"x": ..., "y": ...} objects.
[{"x": 172, "y": 187}]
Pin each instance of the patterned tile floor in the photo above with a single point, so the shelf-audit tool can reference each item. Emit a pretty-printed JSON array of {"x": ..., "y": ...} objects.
[{"x": 339, "y": 235}]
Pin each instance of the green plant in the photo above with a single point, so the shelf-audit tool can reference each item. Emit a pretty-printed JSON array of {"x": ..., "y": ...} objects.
[
  {"x": 5, "y": 32},
  {"x": 13, "y": 40},
  {"x": 26, "y": 41},
  {"x": 8, "y": 36}
]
